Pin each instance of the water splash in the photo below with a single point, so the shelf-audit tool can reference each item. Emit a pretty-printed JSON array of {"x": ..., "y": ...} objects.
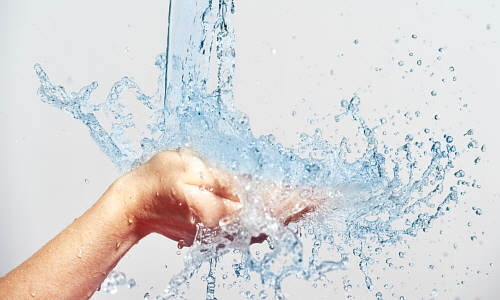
[{"x": 376, "y": 198}]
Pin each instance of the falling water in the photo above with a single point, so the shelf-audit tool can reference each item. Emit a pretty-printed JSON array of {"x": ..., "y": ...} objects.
[{"x": 377, "y": 199}]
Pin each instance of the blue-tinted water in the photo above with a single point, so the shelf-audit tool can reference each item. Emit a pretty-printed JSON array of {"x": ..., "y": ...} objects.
[{"x": 377, "y": 199}]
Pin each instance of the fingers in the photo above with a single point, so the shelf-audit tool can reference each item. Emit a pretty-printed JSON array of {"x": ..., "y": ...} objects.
[
  {"x": 209, "y": 206},
  {"x": 198, "y": 173}
]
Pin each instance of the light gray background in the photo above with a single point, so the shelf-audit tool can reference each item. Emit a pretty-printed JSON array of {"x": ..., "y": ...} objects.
[{"x": 286, "y": 51}]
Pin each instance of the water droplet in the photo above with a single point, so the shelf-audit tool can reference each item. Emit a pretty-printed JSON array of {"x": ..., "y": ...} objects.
[
  {"x": 441, "y": 50},
  {"x": 127, "y": 49},
  {"x": 477, "y": 160},
  {"x": 181, "y": 244},
  {"x": 414, "y": 36},
  {"x": 419, "y": 62},
  {"x": 449, "y": 139},
  {"x": 356, "y": 41},
  {"x": 263, "y": 294},
  {"x": 433, "y": 93},
  {"x": 131, "y": 283},
  {"x": 178, "y": 252},
  {"x": 146, "y": 296},
  {"x": 273, "y": 51},
  {"x": 294, "y": 113},
  {"x": 431, "y": 267},
  {"x": 87, "y": 181},
  {"x": 409, "y": 138},
  {"x": 80, "y": 253},
  {"x": 437, "y": 117},
  {"x": 344, "y": 103},
  {"x": 427, "y": 130},
  {"x": 33, "y": 293},
  {"x": 473, "y": 238},
  {"x": 452, "y": 69},
  {"x": 401, "y": 63},
  {"x": 479, "y": 211},
  {"x": 402, "y": 254}
]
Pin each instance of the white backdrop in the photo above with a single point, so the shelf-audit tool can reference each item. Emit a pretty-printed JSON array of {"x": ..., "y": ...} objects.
[{"x": 286, "y": 51}]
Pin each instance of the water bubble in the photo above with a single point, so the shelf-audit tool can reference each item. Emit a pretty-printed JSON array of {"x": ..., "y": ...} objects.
[
  {"x": 356, "y": 42},
  {"x": 344, "y": 103},
  {"x": 87, "y": 181},
  {"x": 433, "y": 93},
  {"x": 449, "y": 139},
  {"x": 414, "y": 36},
  {"x": 427, "y": 130},
  {"x": 451, "y": 69},
  {"x": 273, "y": 51},
  {"x": 402, "y": 254},
  {"x": 441, "y": 50},
  {"x": 479, "y": 211},
  {"x": 401, "y": 63},
  {"x": 473, "y": 238},
  {"x": 294, "y": 113},
  {"x": 419, "y": 62},
  {"x": 146, "y": 296},
  {"x": 178, "y": 252},
  {"x": 431, "y": 267},
  {"x": 437, "y": 117},
  {"x": 477, "y": 160},
  {"x": 409, "y": 138}
]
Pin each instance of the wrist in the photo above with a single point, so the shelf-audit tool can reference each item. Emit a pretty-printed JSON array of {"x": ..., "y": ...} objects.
[{"x": 123, "y": 198}]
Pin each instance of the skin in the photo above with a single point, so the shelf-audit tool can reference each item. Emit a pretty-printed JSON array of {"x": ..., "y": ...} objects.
[{"x": 168, "y": 195}]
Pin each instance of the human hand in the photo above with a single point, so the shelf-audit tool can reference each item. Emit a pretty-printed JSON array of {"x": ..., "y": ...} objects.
[{"x": 173, "y": 191}]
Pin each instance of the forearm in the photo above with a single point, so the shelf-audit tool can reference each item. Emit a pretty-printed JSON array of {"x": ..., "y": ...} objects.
[{"x": 76, "y": 261}]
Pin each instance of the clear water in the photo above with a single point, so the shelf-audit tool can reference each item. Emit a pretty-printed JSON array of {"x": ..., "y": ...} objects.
[{"x": 361, "y": 205}]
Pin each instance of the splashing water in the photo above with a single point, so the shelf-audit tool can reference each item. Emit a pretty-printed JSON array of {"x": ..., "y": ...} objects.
[{"x": 355, "y": 203}]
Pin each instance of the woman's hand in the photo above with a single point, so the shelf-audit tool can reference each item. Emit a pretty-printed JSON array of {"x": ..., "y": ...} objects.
[{"x": 173, "y": 191}]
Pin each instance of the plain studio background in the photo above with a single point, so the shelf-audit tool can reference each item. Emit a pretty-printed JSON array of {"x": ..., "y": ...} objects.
[{"x": 51, "y": 170}]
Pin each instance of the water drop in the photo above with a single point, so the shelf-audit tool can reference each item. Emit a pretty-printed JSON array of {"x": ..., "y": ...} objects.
[
  {"x": 131, "y": 283},
  {"x": 433, "y": 93},
  {"x": 449, "y": 139},
  {"x": 452, "y": 69},
  {"x": 146, "y": 296},
  {"x": 414, "y": 36},
  {"x": 273, "y": 51},
  {"x": 479, "y": 211},
  {"x": 356, "y": 42},
  {"x": 473, "y": 238},
  {"x": 419, "y": 62},
  {"x": 294, "y": 113},
  {"x": 437, "y": 117},
  {"x": 178, "y": 252},
  {"x": 87, "y": 181},
  {"x": 431, "y": 267},
  {"x": 401, "y": 63}
]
